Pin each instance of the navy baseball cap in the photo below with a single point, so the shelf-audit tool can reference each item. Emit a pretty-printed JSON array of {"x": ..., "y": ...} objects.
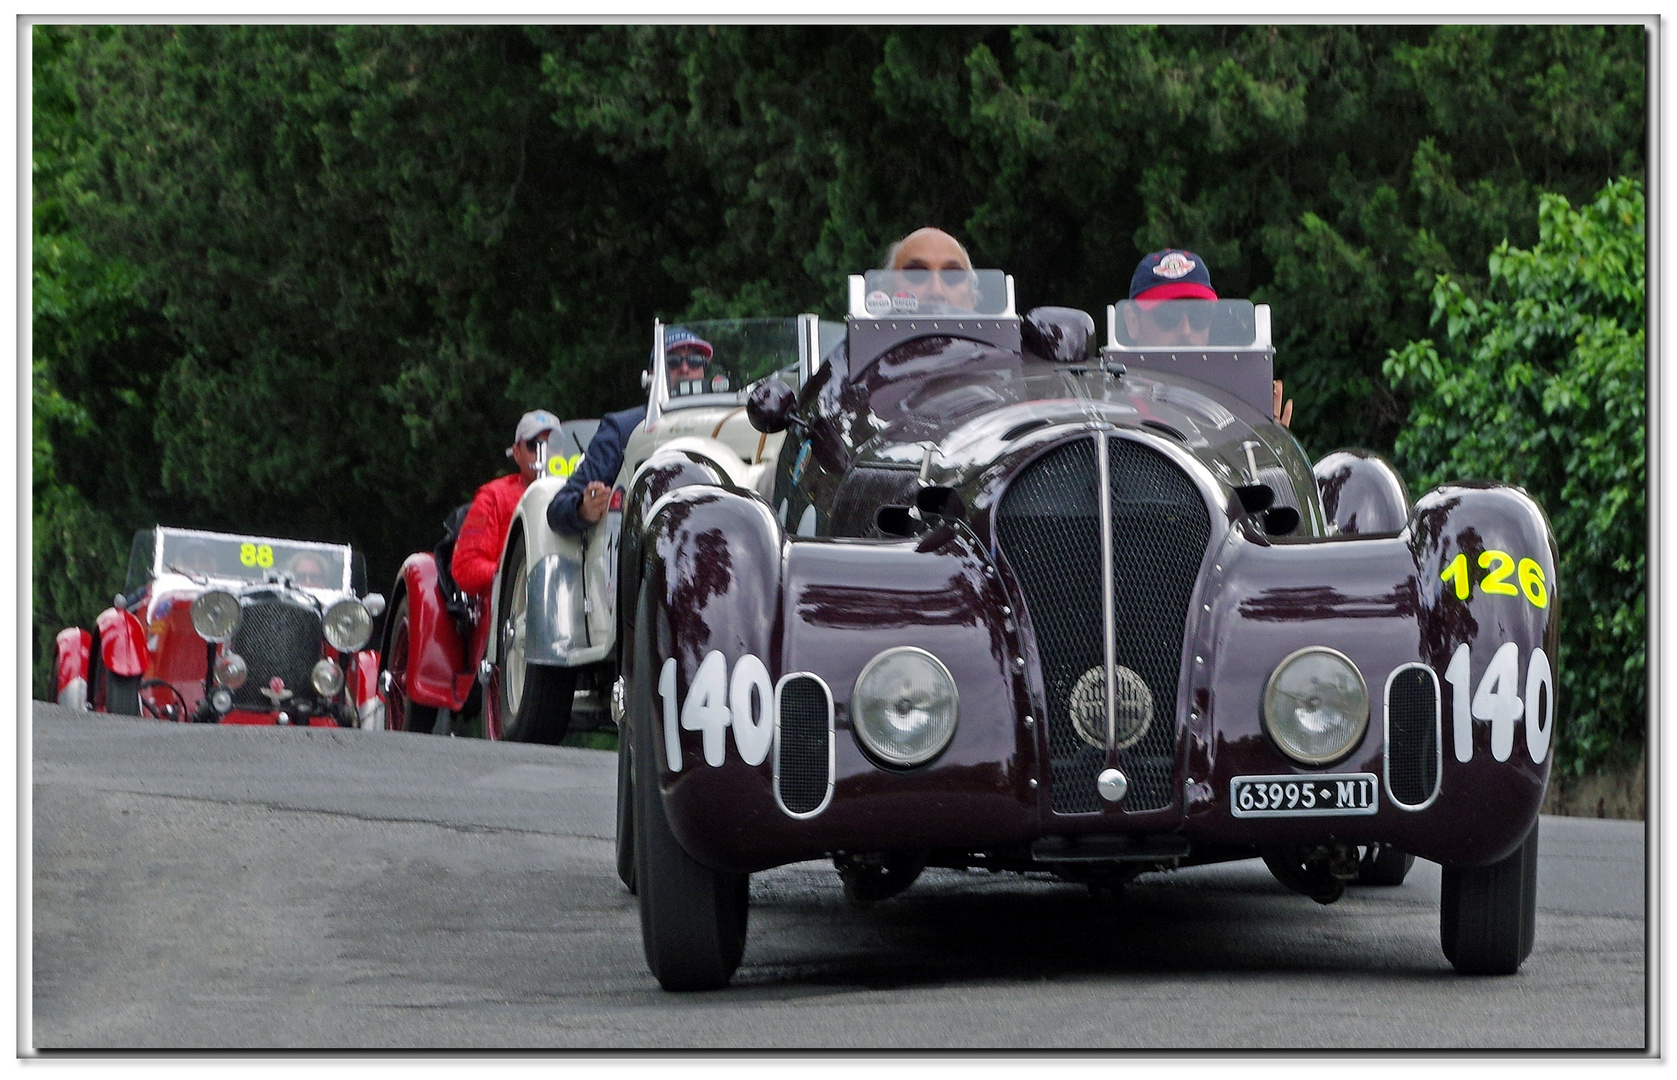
[
  {"x": 678, "y": 336},
  {"x": 1171, "y": 274}
]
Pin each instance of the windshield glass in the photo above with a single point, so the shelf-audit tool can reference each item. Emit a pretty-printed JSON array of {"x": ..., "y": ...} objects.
[
  {"x": 886, "y": 293},
  {"x": 1176, "y": 324},
  {"x": 712, "y": 361},
  {"x": 251, "y": 558}
]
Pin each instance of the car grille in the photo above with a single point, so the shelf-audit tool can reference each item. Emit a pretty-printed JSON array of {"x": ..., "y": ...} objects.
[
  {"x": 803, "y": 745},
  {"x": 276, "y": 638},
  {"x": 1412, "y": 736},
  {"x": 1049, "y": 529}
]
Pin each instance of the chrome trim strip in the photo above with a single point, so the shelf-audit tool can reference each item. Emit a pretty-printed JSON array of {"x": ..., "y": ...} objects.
[
  {"x": 832, "y": 762},
  {"x": 1109, "y": 632},
  {"x": 809, "y": 347},
  {"x": 660, "y": 390},
  {"x": 1437, "y": 738},
  {"x": 555, "y": 622}
]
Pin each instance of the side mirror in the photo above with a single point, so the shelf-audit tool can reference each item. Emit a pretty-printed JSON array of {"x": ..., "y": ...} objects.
[
  {"x": 769, "y": 406},
  {"x": 1059, "y": 334}
]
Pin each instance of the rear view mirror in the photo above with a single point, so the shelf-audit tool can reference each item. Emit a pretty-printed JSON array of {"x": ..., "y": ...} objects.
[
  {"x": 769, "y": 406},
  {"x": 1059, "y": 334}
]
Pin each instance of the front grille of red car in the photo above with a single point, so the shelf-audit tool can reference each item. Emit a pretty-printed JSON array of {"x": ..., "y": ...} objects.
[
  {"x": 803, "y": 745},
  {"x": 1412, "y": 737},
  {"x": 276, "y": 638},
  {"x": 1049, "y": 529}
]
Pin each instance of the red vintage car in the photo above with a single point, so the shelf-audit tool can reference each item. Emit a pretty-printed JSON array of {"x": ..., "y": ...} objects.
[
  {"x": 438, "y": 649},
  {"x": 223, "y": 628}
]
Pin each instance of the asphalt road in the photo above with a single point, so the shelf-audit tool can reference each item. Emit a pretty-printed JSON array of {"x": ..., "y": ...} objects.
[{"x": 265, "y": 888}]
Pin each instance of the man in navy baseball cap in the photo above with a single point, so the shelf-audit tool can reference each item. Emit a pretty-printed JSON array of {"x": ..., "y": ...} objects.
[
  {"x": 686, "y": 357},
  {"x": 1174, "y": 274}
]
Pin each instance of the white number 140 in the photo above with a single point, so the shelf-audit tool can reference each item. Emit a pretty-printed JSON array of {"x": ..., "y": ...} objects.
[{"x": 1497, "y": 699}]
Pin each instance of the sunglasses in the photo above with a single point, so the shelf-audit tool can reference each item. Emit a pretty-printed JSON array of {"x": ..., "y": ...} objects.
[
  {"x": 675, "y": 360},
  {"x": 531, "y": 444},
  {"x": 1169, "y": 314},
  {"x": 952, "y": 277}
]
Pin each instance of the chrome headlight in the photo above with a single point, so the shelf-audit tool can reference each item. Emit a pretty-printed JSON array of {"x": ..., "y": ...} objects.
[
  {"x": 904, "y": 706},
  {"x": 215, "y": 615},
  {"x": 1316, "y": 705},
  {"x": 327, "y": 677},
  {"x": 347, "y": 625},
  {"x": 230, "y": 670}
]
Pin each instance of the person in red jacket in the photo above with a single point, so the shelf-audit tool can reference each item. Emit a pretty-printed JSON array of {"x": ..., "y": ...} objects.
[{"x": 478, "y": 550}]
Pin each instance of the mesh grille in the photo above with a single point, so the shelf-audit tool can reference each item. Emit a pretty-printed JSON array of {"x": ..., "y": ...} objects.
[
  {"x": 1049, "y": 529},
  {"x": 276, "y": 638},
  {"x": 806, "y": 728},
  {"x": 1412, "y": 736}
]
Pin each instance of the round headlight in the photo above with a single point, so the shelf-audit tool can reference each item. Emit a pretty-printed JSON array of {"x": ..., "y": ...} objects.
[
  {"x": 215, "y": 615},
  {"x": 230, "y": 670},
  {"x": 904, "y": 706},
  {"x": 1316, "y": 705},
  {"x": 327, "y": 677},
  {"x": 347, "y": 625}
]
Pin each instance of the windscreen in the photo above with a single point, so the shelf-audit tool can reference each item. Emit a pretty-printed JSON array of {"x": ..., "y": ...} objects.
[
  {"x": 1185, "y": 324},
  {"x": 714, "y": 360},
  {"x": 251, "y": 558},
  {"x": 922, "y": 293}
]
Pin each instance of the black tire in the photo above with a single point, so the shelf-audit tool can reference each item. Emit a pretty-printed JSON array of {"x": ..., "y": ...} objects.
[
  {"x": 402, "y": 713},
  {"x": 693, "y": 918},
  {"x": 1383, "y": 864},
  {"x": 534, "y": 699},
  {"x": 1488, "y": 914},
  {"x": 625, "y": 812},
  {"x": 120, "y": 694}
]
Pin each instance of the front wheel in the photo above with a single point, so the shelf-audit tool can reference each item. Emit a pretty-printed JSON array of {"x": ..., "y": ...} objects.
[
  {"x": 693, "y": 918},
  {"x": 116, "y": 694},
  {"x": 402, "y": 713},
  {"x": 1488, "y": 914}
]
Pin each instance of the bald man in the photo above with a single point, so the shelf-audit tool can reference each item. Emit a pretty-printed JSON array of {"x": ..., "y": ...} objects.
[{"x": 934, "y": 266}]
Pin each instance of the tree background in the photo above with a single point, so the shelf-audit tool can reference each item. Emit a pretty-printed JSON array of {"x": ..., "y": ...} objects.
[{"x": 301, "y": 280}]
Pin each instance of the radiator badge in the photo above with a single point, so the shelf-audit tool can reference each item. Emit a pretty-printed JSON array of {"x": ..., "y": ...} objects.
[{"x": 275, "y": 691}]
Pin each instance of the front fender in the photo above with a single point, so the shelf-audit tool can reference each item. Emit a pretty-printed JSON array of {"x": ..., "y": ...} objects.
[
  {"x": 1424, "y": 621},
  {"x": 363, "y": 690},
  {"x": 735, "y": 609},
  {"x": 74, "y": 648},
  {"x": 122, "y": 642},
  {"x": 570, "y": 581},
  {"x": 438, "y": 673}
]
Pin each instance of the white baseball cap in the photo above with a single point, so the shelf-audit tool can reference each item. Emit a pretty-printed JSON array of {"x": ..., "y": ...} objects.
[{"x": 531, "y": 424}]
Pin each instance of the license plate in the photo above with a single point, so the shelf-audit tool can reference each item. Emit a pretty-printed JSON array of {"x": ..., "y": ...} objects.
[{"x": 1304, "y": 796}]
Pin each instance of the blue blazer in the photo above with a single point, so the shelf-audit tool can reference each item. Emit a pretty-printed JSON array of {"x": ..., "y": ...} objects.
[{"x": 602, "y": 461}]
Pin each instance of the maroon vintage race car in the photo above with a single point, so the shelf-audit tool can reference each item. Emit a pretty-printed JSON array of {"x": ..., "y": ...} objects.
[
  {"x": 220, "y": 628},
  {"x": 1021, "y": 604}
]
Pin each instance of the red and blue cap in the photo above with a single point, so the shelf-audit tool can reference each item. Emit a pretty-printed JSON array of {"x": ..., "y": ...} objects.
[
  {"x": 1171, "y": 274},
  {"x": 678, "y": 336}
]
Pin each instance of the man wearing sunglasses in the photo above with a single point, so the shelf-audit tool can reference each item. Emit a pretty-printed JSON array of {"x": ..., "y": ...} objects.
[
  {"x": 478, "y": 550},
  {"x": 583, "y": 501},
  {"x": 1162, "y": 277},
  {"x": 935, "y": 269}
]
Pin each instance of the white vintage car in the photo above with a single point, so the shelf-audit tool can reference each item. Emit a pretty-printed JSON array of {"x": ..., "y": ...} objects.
[{"x": 550, "y": 629}]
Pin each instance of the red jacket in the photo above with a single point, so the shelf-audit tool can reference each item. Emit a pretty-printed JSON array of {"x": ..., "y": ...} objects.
[{"x": 477, "y": 552}]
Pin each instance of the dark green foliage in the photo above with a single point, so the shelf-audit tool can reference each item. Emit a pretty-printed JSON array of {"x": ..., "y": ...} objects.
[
  {"x": 1540, "y": 382},
  {"x": 302, "y": 279}
]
